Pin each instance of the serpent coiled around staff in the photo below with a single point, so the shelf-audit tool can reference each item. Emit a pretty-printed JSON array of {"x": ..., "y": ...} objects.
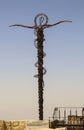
[{"x": 40, "y": 21}]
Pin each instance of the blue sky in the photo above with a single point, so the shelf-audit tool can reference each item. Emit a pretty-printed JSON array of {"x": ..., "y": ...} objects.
[{"x": 64, "y": 46}]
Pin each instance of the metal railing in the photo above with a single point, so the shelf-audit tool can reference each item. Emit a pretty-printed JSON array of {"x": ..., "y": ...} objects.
[{"x": 70, "y": 117}]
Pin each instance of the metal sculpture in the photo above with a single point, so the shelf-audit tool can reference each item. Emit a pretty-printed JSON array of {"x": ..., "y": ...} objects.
[{"x": 41, "y": 23}]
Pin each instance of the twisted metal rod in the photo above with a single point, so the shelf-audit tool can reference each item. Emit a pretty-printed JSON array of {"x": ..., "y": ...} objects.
[{"x": 41, "y": 23}]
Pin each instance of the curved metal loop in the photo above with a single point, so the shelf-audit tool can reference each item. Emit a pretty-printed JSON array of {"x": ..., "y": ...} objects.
[{"x": 41, "y": 20}]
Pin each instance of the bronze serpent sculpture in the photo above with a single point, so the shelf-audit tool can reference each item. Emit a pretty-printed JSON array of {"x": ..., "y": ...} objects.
[{"x": 41, "y": 23}]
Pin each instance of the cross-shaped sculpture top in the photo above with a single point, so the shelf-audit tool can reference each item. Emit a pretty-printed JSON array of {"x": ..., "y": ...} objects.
[{"x": 41, "y": 21}]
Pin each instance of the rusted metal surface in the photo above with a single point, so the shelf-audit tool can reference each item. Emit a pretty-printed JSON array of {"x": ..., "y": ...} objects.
[{"x": 41, "y": 23}]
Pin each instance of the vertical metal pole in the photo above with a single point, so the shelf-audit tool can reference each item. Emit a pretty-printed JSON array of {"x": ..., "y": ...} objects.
[
  {"x": 40, "y": 20},
  {"x": 64, "y": 114},
  {"x": 40, "y": 71}
]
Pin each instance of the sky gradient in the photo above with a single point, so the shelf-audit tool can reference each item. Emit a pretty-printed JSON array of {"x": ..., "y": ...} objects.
[{"x": 64, "y": 61}]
